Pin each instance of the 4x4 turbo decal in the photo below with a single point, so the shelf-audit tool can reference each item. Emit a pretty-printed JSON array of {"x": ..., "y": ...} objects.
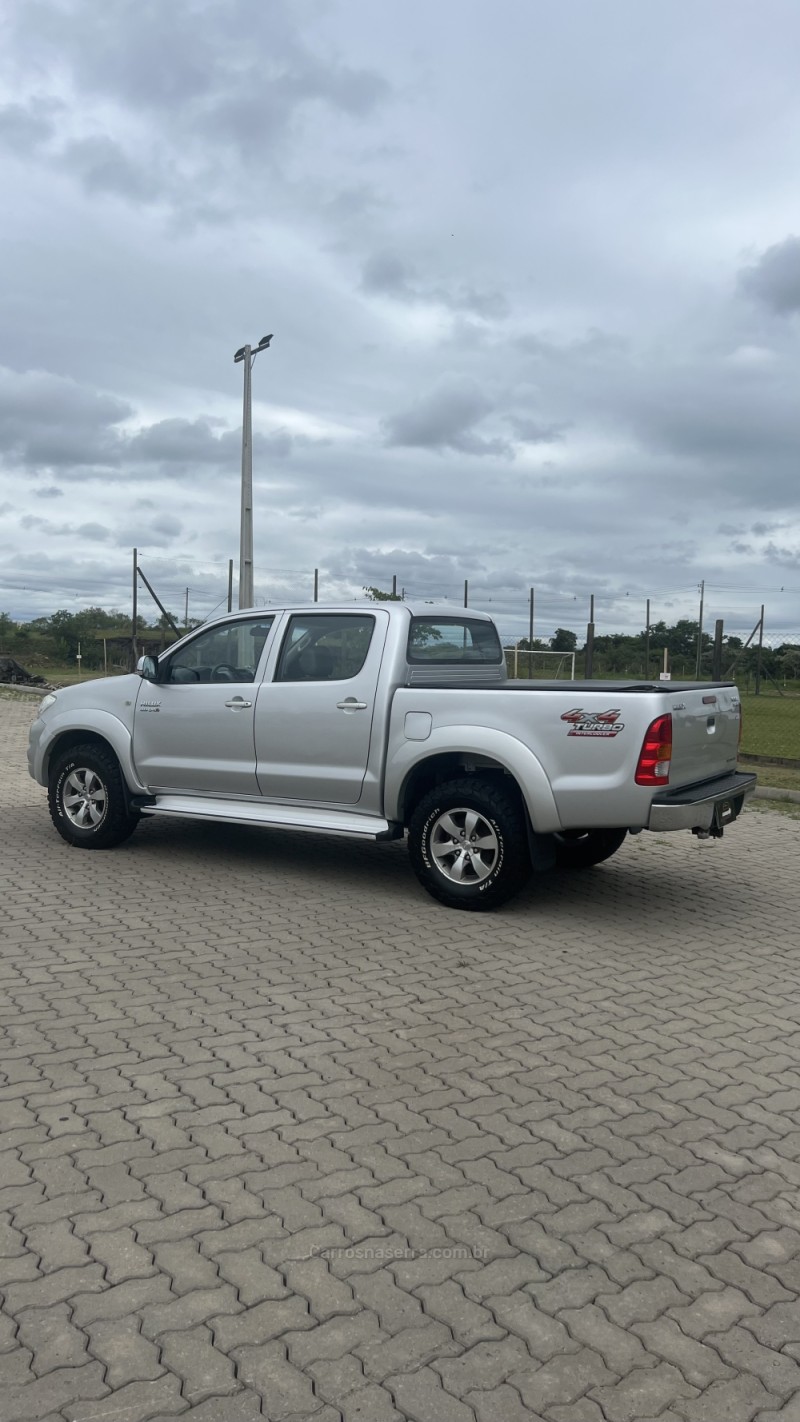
[{"x": 593, "y": 723}]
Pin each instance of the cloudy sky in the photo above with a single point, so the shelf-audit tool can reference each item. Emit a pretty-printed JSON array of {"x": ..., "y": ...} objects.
[{"x": 532, "y": 269}]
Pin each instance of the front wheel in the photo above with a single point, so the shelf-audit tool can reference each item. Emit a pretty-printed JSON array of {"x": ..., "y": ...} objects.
[
  {"x": 580, "y": 849},
  {"x": 468, "y": 844},
  {"x": 87, "y": 800}
]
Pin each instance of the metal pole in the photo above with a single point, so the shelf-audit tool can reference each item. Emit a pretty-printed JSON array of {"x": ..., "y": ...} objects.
[
  {"x": 246, "y": 522},
  {"x": 394, "y": 585},
  {"x": 186, "y": 612},
  {"x": 647, "y": 643},
  {"x": 759, "y": 651},
  {"x": 135, "y": 616},
  {"x": 316, "y": 584},
  {"x": 466, "y": 592},
  {"x": 716, "y": 666},
  {"x": 159, "y": 603},
  {"x": 530, "y": 636},
  {"x": 700, "y": 632},
  {"x": 230, "y": 584},
  {"x": 588, "y": 670}
]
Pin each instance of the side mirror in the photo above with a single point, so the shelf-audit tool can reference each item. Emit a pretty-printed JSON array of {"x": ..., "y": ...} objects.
[{"x": 147, "y": 667}]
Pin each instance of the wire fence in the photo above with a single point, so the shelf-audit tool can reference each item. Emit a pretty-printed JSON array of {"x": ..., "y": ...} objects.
[{"x": 599, "y": 636}]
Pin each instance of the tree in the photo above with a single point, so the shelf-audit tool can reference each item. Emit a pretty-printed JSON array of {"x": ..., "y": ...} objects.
[
  {"x": 378, "y": 595},
  {"x": 564, "y": 640}
]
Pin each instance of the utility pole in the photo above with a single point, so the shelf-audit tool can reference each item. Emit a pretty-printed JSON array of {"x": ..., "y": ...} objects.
[
  {"x": 186, "y": 613},
  {"x": 466, "y": 592},
  {"x": 647, "y": 643},
  {"x": 316, "y": 584},
  {"x": 700, "y": 632},
  {"x": 530, "y": 635},
  {"x": 394, "y": 585},
  {"x": 247, "y": 355},
  {"x": 230, "y": 585}
]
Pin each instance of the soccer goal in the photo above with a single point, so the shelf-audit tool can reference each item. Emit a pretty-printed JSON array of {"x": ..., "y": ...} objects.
[{"x": 537, "y": 665}]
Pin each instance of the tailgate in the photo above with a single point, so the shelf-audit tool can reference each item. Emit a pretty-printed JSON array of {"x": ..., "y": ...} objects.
[{"x": 705, "y": 733}]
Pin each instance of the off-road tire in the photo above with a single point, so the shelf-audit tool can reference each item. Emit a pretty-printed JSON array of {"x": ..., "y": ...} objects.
[
  {"x": 85, "y": 784},
  {"x": 584, "y": 850},
  {"x": 494, "y": 873}
]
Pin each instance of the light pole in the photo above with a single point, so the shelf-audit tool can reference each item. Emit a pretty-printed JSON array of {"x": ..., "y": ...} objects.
[{"x": 247, "y": 355}]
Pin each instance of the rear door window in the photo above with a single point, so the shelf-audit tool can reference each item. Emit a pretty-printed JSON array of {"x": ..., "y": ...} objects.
[{"x": 452, "y": 640}]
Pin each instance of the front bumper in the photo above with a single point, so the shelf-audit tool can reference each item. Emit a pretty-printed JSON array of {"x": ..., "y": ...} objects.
[{"x": 705, "y": 807}]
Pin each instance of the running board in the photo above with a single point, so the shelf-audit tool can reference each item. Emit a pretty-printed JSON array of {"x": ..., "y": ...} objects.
[{"x": 269, "y": 816}]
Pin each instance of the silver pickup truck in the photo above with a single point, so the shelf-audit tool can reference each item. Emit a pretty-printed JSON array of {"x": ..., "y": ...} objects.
[{"x": 376, "y": 721}]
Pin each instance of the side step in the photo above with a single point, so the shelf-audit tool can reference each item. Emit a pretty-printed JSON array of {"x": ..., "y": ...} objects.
[{"x": 270, "y": 816}]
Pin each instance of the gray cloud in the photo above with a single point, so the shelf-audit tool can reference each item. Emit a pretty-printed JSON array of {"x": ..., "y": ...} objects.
[
  {"x": 385, "y": 274},
  {"x": 774, "y": 280},
  {"x": 227, "y": 89},
  {"x": 447, "y": 418},
  {"x": 25, "y": 128},
  {"x": 532, "y": 431}
]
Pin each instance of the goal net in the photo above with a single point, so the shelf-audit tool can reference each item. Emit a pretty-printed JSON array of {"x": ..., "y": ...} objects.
[{"x": 540, "y": 666}]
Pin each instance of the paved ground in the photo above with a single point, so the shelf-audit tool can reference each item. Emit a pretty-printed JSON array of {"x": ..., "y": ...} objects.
[{"x": 282, "y": 1138}]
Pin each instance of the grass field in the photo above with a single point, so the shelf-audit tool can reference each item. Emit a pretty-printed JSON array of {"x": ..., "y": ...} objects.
[{"x": 771, "y": 726}]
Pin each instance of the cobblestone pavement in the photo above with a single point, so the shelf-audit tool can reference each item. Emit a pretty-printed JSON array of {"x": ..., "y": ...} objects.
[{"x": 283, "y": 1138}]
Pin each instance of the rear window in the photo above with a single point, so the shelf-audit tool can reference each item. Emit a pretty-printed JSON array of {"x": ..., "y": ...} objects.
[{"x": 453, "y": 640}]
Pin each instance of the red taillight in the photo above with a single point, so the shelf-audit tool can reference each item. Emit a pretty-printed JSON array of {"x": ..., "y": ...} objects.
[{"x": 656, "y": 753}]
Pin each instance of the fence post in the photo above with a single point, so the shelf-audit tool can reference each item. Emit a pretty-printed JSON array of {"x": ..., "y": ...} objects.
[
  {"x": 589, "y": 651},
  {"x": 699, "y": 658},
  {"x": 135, "y": 613},
  {"x": 716, "y": 662}
]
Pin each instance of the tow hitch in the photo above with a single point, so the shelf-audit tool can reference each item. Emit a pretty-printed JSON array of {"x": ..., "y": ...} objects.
[{"x": 725, "y": 812}]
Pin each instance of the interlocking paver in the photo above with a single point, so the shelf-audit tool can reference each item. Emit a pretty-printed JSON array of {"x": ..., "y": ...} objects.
[
  {"x": 275, "y": 1144},
  {"x": 127, "y": 1354},
  {"x": 53, "y": 1340},
  {"x": 645, "y": 1392},
  {"x": 205, "y": 1370}
]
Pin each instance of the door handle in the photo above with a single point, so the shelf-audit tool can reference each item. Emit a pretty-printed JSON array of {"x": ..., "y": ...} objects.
[
  {"x": 350, "y": 704},
  {"x": 238, "y": 704}
]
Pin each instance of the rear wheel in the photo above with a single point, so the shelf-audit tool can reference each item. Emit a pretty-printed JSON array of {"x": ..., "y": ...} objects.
[
  {"x": 87, "y": 798},
  {"x": 468, "y": 844},
  {"x": 580, "y": 849}
]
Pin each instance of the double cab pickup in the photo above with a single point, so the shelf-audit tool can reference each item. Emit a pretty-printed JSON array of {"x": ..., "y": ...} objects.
[{"x": 383, "y": 720}]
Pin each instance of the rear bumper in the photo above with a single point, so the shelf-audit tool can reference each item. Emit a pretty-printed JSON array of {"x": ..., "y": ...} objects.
[{"x": 701, "y": 807}]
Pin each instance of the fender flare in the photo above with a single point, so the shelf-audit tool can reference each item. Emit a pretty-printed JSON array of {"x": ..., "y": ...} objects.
[
  {"x": 511, "y": 754},
  {"x": 94, "y": 723}
]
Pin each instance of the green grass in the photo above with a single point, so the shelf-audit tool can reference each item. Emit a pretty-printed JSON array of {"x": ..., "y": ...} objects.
[{"x": 771, "y": 726}]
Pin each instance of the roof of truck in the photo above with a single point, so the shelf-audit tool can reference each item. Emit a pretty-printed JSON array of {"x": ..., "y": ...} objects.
[{"x": 413, "y": 607}]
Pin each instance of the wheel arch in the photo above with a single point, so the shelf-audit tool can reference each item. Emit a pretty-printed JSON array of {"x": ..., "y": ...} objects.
[
  {"x": 100, "y": 728},
  {"x": 409, "y": 779}
]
